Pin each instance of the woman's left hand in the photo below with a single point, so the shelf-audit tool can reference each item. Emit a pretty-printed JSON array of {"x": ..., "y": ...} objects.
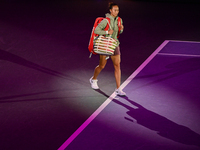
[{"x": 121, "y": 27}]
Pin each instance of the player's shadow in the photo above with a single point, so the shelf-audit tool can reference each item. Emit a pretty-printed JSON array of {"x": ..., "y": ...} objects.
[{"x": 163, "y": 126}]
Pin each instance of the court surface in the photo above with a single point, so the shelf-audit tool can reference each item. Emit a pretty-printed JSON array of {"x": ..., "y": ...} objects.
[
  {"x": 45, "y": 94},
  {"x": 161, "y": 109}
]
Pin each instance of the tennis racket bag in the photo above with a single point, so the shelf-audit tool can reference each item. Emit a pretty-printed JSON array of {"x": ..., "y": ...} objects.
[{"x": 100, "y": 42}]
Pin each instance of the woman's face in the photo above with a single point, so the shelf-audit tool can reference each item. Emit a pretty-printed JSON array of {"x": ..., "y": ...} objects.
[{"x": 114, "y": 11}]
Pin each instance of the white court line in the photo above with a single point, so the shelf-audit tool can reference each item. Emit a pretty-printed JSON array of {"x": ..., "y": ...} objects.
[
  {"x": 184, "y": 41},
  {"x": 93, "y": 116},
  {"x": 86, "y": 123},
  {"x": 179, "y": 55},
  {"x": 144, "y": 63}
]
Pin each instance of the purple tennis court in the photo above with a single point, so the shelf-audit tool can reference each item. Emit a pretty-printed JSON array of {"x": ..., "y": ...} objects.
[
  {"x": 160, "y": 111},
  {"x": 46, "y": 101}
]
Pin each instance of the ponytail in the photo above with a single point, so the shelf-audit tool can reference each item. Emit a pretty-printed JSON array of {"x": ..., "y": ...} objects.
[{"x": 110, "y": 5}]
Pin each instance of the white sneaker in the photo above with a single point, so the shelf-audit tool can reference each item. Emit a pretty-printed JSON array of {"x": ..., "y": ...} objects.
[
  {"x": 119, "y": 92},
  {"x": 94, "y": 83}
]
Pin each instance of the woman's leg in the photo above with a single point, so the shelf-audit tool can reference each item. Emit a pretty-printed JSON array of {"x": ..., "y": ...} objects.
[
  {"x": 116, "y": 62},
  {"x": 102, "y": 63},
  {"x": 97, "y": 70}
]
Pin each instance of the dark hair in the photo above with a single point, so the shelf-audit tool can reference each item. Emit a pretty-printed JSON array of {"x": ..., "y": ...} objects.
[{"x": 111, "y": 4}]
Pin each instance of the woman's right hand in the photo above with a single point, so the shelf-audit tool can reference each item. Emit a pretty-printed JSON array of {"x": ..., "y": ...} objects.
[{"x": 110, "y": 32}]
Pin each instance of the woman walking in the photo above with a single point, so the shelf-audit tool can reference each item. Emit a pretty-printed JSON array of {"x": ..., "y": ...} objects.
[{"x": 116, "y": 59}]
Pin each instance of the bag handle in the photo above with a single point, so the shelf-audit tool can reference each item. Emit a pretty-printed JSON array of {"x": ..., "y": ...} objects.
[
  {"x": 109, "y": 24},
  {"x": 109, "y": 27}
]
